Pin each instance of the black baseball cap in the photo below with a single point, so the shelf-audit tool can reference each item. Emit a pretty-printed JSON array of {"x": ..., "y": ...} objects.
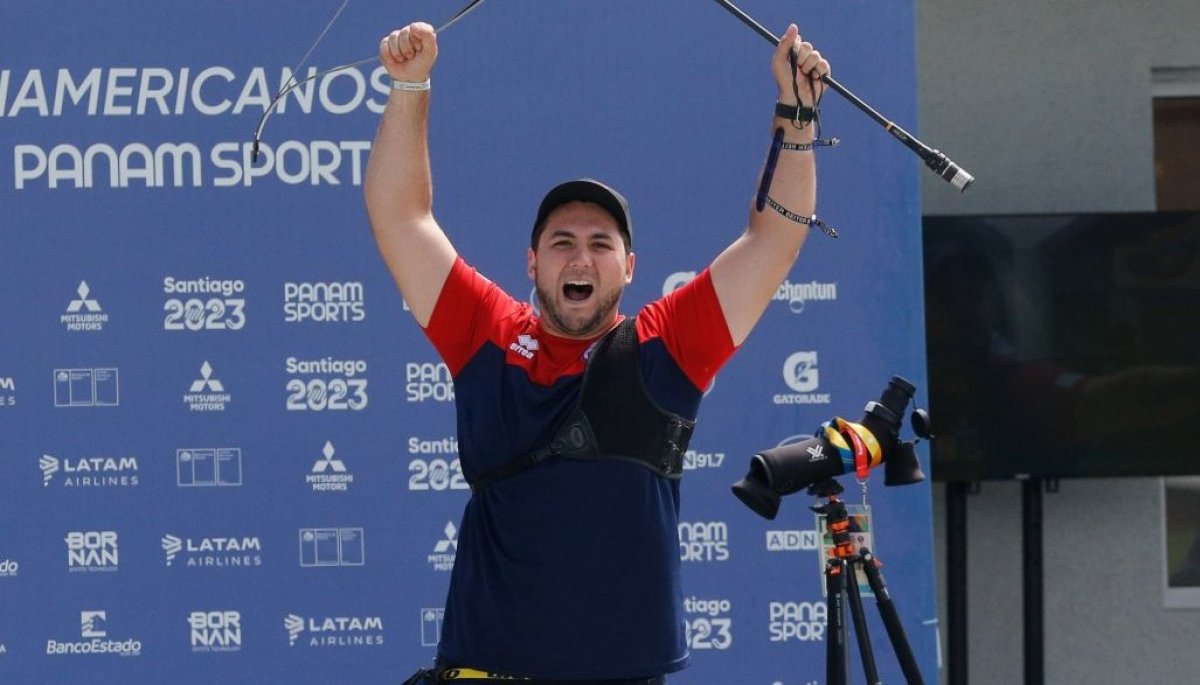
[{"x": 584, "y": 190}]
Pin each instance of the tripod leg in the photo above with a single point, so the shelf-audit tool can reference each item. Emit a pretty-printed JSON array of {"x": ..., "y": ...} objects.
[
  {"x": 860, "y": 626},
  {"x": 891, "y": 620},
  {"x": 835, "y": 626}
]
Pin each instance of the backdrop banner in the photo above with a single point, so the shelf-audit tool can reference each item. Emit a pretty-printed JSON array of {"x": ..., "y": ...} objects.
[{"x": 229, "y": 452}]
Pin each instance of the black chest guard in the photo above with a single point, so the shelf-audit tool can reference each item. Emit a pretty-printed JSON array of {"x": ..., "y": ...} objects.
[{"x": 614, "y": 417}]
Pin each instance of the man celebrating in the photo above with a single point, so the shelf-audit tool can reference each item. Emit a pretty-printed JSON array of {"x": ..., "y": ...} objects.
[{"x": 572, "y": 424}]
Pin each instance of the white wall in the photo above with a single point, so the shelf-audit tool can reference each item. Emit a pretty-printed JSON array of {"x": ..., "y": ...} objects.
[{"x": 1049, "y": 105}]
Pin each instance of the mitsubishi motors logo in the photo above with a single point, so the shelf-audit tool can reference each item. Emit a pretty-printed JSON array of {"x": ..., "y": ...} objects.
[
  {"x": 328, "y": 463},
  {"x": 446, "y": 549},
  {"x": 206, "y": 381},
  {"x": 207, "y": 393},
  {"x": 75, "y": 320},
  {"x": 84, "y": 302},
  {"x": 329, "y": 474}
]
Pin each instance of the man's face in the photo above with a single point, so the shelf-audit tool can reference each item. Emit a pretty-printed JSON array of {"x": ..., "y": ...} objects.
[{"x": 580, "y": 268}]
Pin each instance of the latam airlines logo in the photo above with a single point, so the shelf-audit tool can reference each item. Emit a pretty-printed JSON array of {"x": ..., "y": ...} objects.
[
  {"x": 215, "y": 631},
  {"x": 213, "y": 552},
  {"x": 95, "y": 639},
  {"x": 329, "y": 474},
  {"x": 525, "y": 345},
  {"x": 207, "y": 393},
  {"x": 796, "y": 295},
  {"x": 801, "y": 375},
  {"x": 84, "y": 313},
  {"x": 334, "y": 631},
  {"x": 89, "y": 472}
]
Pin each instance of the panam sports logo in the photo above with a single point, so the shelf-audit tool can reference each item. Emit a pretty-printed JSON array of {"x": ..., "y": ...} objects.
[
  {"x": 703, "y": 541},
  {"x": 799, "y": 621},
  {"x": 323, "y": 302},
  {"x": 428, "y": 382}
]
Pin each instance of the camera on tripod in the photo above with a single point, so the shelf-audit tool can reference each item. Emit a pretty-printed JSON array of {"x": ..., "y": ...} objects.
[{"x": 837, "y": 447}]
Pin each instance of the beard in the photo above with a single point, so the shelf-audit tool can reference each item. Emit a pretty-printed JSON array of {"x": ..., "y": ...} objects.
[{"x": 580, "y": 325}]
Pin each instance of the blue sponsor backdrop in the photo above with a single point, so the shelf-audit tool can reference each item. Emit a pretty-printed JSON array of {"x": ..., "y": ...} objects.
[{"x": 227, "y": 449}]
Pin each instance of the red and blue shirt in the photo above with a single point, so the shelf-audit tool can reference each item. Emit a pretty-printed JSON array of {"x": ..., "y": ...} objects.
[{"x": 569, "y": 570}]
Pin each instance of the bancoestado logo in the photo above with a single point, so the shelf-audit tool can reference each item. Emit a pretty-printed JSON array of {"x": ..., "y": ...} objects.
[
  {"x": 329, "y": 473},
  {"x": 796, "y": 295},
  {"x": 428, "y": 382},
  {"x": 95, "y": 639},
  {"x": 207, "y": 393},
  {"x": 708, "y": 623},
  {"x": 8, "y": 567},
  {"x": 799, "y": 621},
  {"x": 703, "y": 541},
  {"x": 215, "y": 304},
  {"x": 215, "y": 631},
  {"x": 801, "y": 375},
  {"x": 89, "y": 472},
  {"x": 185, "y": 91},
  {"x": 84, "y": 314},
  {"x": 338, "y": 384},
  {"x": 92, "y": 550},
  {"x": 436, "y": 473},
  {"x": 213, "y": 552},
  {"x": 334, "y": 631},
  {"x": 323, "y": 302}
]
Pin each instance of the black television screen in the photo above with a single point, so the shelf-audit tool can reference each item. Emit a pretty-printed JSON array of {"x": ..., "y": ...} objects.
[{"x": 1063, "y": 345}]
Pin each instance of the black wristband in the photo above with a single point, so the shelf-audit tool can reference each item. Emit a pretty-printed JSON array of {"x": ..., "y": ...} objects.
[{"x": 798, "y": 113}]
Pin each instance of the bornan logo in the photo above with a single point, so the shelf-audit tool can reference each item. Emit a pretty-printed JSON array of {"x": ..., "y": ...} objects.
[
  {"x": 207, "y": 393},
  {"x": 334, "y": 631},
  {"x": 708, "y": 624},
  {"x": 215, "y": 631},
  {"x": 208, "y": 467},
  {"x": 329, "y": 474},
  {"x": 213, "y": 552},
  {"x": 93, "y": 550},
  {"x": 95, "y": 639},
  {"x": 703, "y": 541},
  {"x": 446, "y": 549},
  {"x": 524, "y": 346},
  {"x": 84, "y": 313},
  {"x": 89, "y": 472},
  {"x": 800, "y": 621},
  {"x": 323, "y": 302},
  {"x": 801, "y": 375}
]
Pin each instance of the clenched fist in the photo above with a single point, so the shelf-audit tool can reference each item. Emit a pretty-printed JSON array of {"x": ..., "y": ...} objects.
[
  {"x": 809, "y": 63},
  {"x": 408, "y": 54}
]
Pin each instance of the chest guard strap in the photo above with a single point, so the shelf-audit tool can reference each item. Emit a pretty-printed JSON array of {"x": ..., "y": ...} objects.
[{"x": 614, "y": 417}]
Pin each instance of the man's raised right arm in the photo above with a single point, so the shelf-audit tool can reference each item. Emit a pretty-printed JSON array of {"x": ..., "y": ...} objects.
[{"x": 398, "y": 186}]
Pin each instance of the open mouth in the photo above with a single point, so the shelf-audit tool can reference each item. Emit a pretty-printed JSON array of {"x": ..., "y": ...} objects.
[{"x": 577, "y": 291}]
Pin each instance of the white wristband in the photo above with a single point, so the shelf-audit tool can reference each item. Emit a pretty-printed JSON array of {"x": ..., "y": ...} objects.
[{"x": 410, "y": 85}]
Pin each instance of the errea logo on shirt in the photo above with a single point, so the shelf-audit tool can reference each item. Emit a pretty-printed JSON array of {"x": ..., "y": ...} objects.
[{"x": 525, "y": 346}]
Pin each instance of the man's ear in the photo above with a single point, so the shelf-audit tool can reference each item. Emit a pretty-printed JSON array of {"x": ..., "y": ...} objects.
[
  {"x": 531, "y": 264},
  {"x": 630, "y": 260}
]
